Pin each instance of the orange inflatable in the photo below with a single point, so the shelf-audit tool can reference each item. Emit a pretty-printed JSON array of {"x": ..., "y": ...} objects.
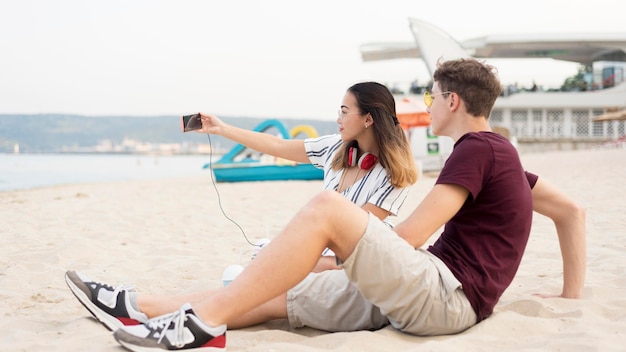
[{"x": 412, "y": 113}]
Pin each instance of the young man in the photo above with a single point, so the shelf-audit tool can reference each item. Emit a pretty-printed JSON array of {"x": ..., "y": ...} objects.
[{"x": 482, "y": 197}]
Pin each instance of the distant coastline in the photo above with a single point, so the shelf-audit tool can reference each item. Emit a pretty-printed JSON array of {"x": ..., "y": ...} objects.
[
  {"x": 215, "y": 153},
  {"x": 121, "y": 134},
  {"x": 116, "y": 153}
]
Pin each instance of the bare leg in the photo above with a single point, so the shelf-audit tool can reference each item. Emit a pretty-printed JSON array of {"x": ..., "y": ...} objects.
[
  {"x": 569, "y": 220},
  {"x": 273, "y": 309},
  {"x": 153, "y": 306},
  {"x": 326, "y": 263},
  {"x": 328, "y": 220}
]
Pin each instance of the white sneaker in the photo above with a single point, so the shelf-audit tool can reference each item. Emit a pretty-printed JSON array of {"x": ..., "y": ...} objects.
[
  {"x": 181, "y": 330},
  {"x": 109, "y": 305},
  {"x": 260, "y": 244}
]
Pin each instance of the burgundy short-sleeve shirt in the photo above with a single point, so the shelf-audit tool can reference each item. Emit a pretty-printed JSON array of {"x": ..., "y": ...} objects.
[{"x": 484, "y": 242}]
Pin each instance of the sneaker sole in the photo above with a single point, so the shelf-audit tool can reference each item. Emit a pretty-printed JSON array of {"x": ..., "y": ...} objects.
[
  {"x": 135, "y": 348},
  {"x": 73, "y": 282},
  {"x": 135, "y": 343}
]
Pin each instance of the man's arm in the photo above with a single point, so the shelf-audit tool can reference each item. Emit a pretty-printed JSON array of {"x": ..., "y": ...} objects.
[
  {"x": 439, "y": 206},
  {"x": 569, "y": 220}
]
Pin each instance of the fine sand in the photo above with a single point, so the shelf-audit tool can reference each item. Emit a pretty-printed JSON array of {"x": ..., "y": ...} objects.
[{"x": 170, "y": 236}]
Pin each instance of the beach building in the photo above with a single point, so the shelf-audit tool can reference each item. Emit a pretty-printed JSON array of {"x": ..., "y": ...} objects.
[{"x": 535, "y": 120}]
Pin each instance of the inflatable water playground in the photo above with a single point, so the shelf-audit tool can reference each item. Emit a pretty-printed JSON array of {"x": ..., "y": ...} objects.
[{"x": 241, "y": 164}]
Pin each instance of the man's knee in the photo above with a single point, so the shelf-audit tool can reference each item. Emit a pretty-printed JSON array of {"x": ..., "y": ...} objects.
[{"x": 327, "y": 201}]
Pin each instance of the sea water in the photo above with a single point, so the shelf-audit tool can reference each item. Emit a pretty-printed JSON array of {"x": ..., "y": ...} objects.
[{"x": 25, "y": 171}]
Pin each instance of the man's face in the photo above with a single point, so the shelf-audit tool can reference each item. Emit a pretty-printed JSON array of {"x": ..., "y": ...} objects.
[{"x": 436, "y": 105}]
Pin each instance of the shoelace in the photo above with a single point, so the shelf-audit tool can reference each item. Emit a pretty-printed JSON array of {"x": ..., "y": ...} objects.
[
  {"x": 116, "y": 291},
  {"x": 256, "y": 251},
  {"x": 161, "y": 324}
]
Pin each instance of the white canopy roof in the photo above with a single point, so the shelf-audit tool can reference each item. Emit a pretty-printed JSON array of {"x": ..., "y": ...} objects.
[{"x": 431, "y": 43}]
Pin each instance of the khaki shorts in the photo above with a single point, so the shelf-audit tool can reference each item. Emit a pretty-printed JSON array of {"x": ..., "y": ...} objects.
[{"x": 384, "y": 281}]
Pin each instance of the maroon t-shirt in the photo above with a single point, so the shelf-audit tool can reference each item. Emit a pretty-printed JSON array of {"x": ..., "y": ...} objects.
[
  {"x": 532, "y": 179},
  {"x": 484, "y": 242}
]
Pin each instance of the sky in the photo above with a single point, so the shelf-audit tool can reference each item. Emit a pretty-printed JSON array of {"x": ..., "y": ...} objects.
[{"x": 263, "y": 58}]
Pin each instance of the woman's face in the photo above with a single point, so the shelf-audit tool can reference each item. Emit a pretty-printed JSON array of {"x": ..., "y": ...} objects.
[{"x": 350, "y": 120}]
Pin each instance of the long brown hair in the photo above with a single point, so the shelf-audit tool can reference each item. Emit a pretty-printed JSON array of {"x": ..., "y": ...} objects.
[{"x": 394, "y": 149}]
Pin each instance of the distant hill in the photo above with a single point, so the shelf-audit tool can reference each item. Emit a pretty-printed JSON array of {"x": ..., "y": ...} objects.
[{"x": 50, "y": 133}]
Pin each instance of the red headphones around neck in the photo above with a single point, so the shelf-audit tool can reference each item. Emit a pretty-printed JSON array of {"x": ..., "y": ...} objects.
[{"x": 365, "y": 162}]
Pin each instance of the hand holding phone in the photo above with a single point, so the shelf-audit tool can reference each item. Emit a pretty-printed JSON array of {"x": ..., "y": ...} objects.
[{"x": 191, "y": 122}]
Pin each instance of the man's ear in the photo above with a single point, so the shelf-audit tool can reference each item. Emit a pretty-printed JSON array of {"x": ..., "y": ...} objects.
[{"x": 454, "y": 101}]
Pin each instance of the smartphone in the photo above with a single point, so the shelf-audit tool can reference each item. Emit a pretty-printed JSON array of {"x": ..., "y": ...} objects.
[{"x": 191, "y": 122}]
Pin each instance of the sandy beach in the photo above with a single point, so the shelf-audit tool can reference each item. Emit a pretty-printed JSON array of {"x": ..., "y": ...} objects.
[{"x": 170, "y": 236}]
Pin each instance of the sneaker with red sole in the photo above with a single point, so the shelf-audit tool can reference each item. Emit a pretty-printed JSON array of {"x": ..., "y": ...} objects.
[
  {"x": 181, "y": 330},
  {"x": 109, "y": 305}
]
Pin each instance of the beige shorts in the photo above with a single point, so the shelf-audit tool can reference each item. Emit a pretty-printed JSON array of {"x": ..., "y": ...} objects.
[{"x": 384, "y": 281}]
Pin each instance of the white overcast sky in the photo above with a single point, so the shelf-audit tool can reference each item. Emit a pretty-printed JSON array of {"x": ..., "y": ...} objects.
[{"x": 263, "y": 58}]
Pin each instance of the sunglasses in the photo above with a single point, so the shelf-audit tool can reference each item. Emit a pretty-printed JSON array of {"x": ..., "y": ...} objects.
[{"x": 430, "y": 98}]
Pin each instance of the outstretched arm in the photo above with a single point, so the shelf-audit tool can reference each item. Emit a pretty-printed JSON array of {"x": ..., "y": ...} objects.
[
  {"x": 290, "y": 149},
  {"x": 569, "y": 220}
]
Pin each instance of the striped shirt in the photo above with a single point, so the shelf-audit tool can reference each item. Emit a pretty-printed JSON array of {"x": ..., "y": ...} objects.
[{"x": 373, "y": 188}]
